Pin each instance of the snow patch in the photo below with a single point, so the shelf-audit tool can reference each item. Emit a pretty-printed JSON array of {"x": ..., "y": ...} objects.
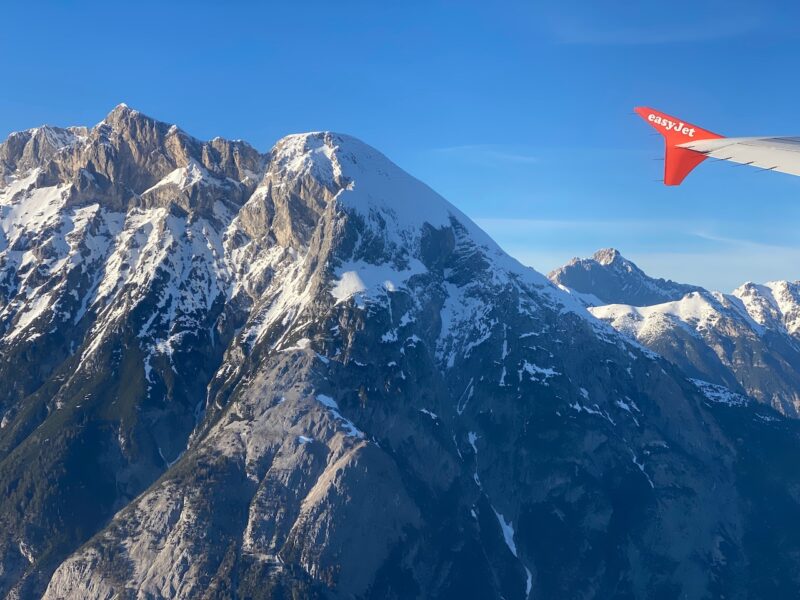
[
  {"x": 368, "y": 280},
  {"x": 720, "y": 394},
  {"x": 508, "y": 531},
  {"x": 350, "y": 429},
  {"x": 433, "y": 416}
]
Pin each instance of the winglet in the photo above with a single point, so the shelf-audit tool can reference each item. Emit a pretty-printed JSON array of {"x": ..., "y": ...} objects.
[{"x": 678, "y": 162}]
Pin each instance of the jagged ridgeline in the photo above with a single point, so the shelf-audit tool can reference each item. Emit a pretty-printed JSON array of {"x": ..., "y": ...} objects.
[
  {"x": 304, "y": 374},
  {"x": 747, "y": 341}
]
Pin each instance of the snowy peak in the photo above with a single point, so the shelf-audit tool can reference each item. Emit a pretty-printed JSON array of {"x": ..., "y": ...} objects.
[
  {"x": 312, "y": 154},
  {"x": 609, "y": 278},
  {"x": 382, "y": 231},
  {"x": 25, "y": 150},
  {"x": 137, "y": 136},
  {"x": 775, "y": 304},
  {"x": 367, "y": 181},
  {"x": 607, "y": 256},
  {"x": 122, "y": 113},
  {"x": 128, "y": 214},
  {"x": 696, "y": 312},
  {"x": 130, "y": 159},
  {"x": 394, "y": 210}
]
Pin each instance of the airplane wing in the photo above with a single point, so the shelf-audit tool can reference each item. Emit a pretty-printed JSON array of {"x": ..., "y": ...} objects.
[
  {"x": 780, "y": 154},
  {"x": 687, "y": 145}
]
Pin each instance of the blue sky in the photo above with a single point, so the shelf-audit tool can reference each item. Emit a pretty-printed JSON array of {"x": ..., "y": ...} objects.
[{"x": 518, "y": 113}]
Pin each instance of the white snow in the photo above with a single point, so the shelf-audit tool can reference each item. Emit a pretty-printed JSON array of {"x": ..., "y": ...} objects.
[
  {"x": 586, "y": 299},
  {"x": 303, "y": 154},
  {"x": 185, "y": 177},
  {"x": 578, "y": 407},
  {"x": 302, "y": 344},
  {"x": 720, "y": 394},
  {"x": 767, "y": 418},
  {"x": 24, "y": 209},
  {"x": 508, "y": 535},
  {"x": 627, "y": 408},
  {"x": 433, "y": 416},
  {"x": 327, "y": 401},
  {"x": 775, "y": 304},
  {"x": 693, "y": 311},
  {"x": 371, "y": 280},
  {"x": 32, "y": 311},
  {"x": 472, "y": 437},
  {"x": 640, "y": 465},
  {"x": 350, "y": 429},
  {"x": 536, "y": 372},
  {"x": 508, "y": 531},
  {"x": 26, "y": 551},
  {"x": 624, "y": 406},
  {"x": 349, "y": 284}
]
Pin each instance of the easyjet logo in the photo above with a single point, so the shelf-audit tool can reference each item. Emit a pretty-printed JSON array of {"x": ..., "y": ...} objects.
[{"x": 671, "y": 125}]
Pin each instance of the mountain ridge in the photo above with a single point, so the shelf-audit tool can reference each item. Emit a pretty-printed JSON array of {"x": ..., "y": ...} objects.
[
  {"x": 325, "y": 381},
  {"x": 613, "y": 279},
  {"x": 746, "y": 340}
]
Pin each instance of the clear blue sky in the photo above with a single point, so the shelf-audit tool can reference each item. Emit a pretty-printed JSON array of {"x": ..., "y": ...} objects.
[{"x": 518, "y": 113}]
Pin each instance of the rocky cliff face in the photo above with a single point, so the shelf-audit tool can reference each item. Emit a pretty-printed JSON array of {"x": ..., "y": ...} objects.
[{"x": 305, "y": 374}]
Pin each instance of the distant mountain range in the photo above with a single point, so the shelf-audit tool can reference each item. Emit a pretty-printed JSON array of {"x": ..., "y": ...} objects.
[
  {"x": 748, "y": 341},
  {"x": 304, "y": 374}
]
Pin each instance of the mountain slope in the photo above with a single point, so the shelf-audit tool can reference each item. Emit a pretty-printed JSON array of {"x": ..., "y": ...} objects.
[
  {"x": 305, "y": 374},
  {"x": 114, "y": 315}
]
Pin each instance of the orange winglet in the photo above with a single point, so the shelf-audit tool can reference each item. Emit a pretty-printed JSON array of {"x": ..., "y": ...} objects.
[{"x": 678, "y": 162}]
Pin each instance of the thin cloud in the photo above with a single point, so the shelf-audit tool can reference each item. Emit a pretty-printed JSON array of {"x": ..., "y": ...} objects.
[
  {"x": 521, "y": 225},
  {"x": 572, "y": 30},
  {"x": 487, "y": 153},
  {"x": 744, "y": 244},
  {"x": 715, "y": 261},
  {"x": 725, "y": 269}
]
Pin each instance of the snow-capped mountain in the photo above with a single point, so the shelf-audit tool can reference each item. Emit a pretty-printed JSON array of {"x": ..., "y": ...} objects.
[
  {"x": 774, "y": 305},
  {"x": 609, "y": 278},
  {"x": 305, "y": 374},
  {"x": 748, "y": 341}
]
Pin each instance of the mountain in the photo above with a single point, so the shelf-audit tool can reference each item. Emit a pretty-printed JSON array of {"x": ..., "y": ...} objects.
[
  {"x": 774, "y": 305},
  {"x": 609, "y": 278},
  {"x": 304, "y": 374},
  {"x": 748, "y": 341}
]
